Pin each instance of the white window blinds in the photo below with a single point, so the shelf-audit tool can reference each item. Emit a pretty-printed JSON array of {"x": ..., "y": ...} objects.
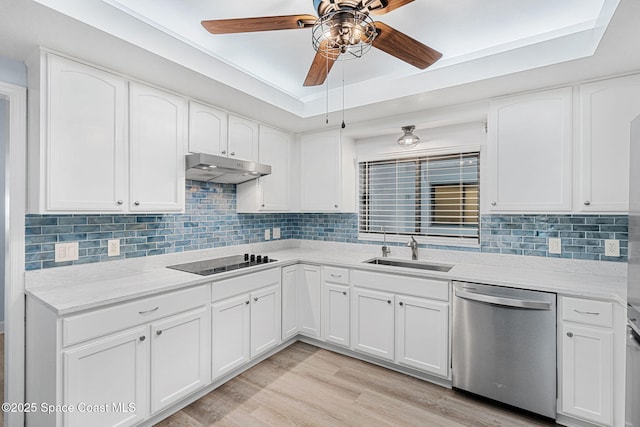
[{"x": 422, "y": 196}]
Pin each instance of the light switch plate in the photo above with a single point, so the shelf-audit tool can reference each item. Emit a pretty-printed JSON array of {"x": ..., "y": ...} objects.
[
  {"x": 555, "y": 245},
  {"x": 66, "y": 251},
  {"x": 267, "y": 234},
  {"x": 612, "y": 248},
  {"x": 276, "y": 232},
  {"x": 113, "y": 248}
]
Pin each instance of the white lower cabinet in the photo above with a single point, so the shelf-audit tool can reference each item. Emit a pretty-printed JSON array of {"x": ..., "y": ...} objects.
[
  {"x": 111, "y": 370},
  {"x": 117, "y": 366},
  {"x": 335, "y": 313},
  {"x": 180, "y": 357},
  {"x": 289, "y": 301},
  {"x": 231, "y": 334},
  {"x": 422, "y": 334},
  {"x": 402, "y": 319},
  {"x": 265, "y": 319},
  {"x": 587, "y": 352},
  {"x": 246, "y": 319},
  {"x": 373, "y": 323},
  {"x": 309, "y": 300}
]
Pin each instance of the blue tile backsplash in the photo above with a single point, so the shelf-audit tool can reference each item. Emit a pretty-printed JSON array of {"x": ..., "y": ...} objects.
[{"x": 210, "y": 220}]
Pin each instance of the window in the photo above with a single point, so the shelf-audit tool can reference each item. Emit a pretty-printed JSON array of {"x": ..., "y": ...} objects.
[{"x": 431, "y": 196}]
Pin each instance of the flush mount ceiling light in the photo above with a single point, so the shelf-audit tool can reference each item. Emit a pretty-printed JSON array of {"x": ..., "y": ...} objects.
[{"x": 408, "y": 139}]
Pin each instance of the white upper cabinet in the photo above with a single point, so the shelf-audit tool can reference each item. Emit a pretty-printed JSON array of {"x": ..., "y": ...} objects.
[
  {"x": 327, "y": 172},
  {"x": 606, "y": 110},
  {"x": 207, "y": 130},
  {"x": 529, "y": 152},
  {"x": 87, "y": 156},
  {"x": 157, "y": 150},
  {"x": 243, "y": 139},
  {"x": 270, "y": 192},
  {"x": 77, "y": 137}
]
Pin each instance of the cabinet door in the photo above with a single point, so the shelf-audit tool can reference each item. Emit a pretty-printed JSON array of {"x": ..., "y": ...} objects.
[
  {"x": 85, "y": 163},
  {"x": 231, "y": 333},
  {"x": 335, "y": 313},
  {"x": 265, "y": 319},
  {"x": 289, "y": 301},
  {"x": 243, "y": 139},
  {"x": 275, "y": 147},
  {"x": 207, "y": 130},
  {"x": 606, "y": 111},
  {"x": 422, "y": 335},
  {"x": 180, "y": 356},
  {"x": 309, "y": 300},
  {"x": 587, "y": 373},
  {"x": 112, "y": 371},
  {"x": 529, "y": 152},
  {"x": 373, "y": 323},
  {"x": 320, "y": 171},
  {"x": 157, "y": 150}
]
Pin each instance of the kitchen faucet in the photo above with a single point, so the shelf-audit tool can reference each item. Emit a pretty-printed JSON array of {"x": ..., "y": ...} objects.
[
  {"x": 414, "y": 248},
  {"x": 386, "y": 250}
]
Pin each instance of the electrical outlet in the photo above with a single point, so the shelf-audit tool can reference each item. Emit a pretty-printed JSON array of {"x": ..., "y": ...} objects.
[
  {"x": 113, "y": 247},
  {"x": 555, "y": 245},
  {"x": 267, "y": 234},
  {"x": 612, "y": 248},
  {"x": 276, "y": 232},
  {"x": 66, "y": 251}
]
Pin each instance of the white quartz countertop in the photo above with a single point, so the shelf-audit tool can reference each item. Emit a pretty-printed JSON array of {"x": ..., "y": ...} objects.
[{"x": 68, "y": 290}]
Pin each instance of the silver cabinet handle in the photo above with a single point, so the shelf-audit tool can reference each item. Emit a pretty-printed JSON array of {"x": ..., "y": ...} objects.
[
  {"x": 570, "y": 334},
  {"x": 344, "y": 292},
  {"x": 142, "y": 338},
  {"x": 388, "y": 301},
  {"x": 401, "y": 303},
  {"x": 335, "y": 206},
  {"x": 246, "y": 302},
  {"x": 223, "y": 152},
  {"x": 137, "y": 203},
  {"x": 120, "y": 202},
  {"x": 149, "y": 311},
  {"x": 232, "y": 153},
  {"x": 255, "y": 298},
  {"x": 508, "y": 302},
  {"x": 587, "y": 203},
  {"x": 494, "y": 203},
  {"x": 159, "y": 332},
  {"x": 588, "y": 313},
  {"x": 337, "y": 276}
]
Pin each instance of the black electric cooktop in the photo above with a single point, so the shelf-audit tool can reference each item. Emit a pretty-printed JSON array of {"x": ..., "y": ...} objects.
[{"x": 221, "y": 265}]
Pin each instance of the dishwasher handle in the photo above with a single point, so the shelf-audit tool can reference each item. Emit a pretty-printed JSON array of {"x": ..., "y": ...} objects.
[{"x": 503, "y": 301}]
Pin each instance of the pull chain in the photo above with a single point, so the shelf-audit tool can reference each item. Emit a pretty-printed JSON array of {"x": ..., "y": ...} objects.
[
  {"x": 326, "y": 117},
  {"x": 343, "y": 124}
]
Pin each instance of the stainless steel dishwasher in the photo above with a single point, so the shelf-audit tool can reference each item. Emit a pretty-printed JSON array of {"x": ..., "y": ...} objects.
[{"x": 504, "y": 345}]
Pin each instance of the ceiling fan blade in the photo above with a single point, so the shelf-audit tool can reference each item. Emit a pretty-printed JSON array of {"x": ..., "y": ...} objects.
[
  {"x": 391, "y": 5},
  {"x": 319, "y": 69},
  {"x": 267, "y": 23},
  {"x": 403, "y": 47}
]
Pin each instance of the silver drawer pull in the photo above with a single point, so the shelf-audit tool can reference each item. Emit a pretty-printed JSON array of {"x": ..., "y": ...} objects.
[
  {"x": 255, "y": 298},
  {"x": 148, "y": 311},
  {"x": 337, "y": 276},
  {"x": 589, "y": 313},
  {"x": 159, "y": 332}
]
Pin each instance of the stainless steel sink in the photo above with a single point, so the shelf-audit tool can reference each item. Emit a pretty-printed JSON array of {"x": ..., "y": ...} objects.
[{"x": 410, "y": 264}]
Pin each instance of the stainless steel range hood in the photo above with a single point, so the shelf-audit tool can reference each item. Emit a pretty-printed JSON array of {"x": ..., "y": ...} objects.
[{"x": 207, "y": 167}]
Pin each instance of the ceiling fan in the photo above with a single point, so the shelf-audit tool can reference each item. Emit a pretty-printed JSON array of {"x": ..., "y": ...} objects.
[{"x": 343, "y": 30}]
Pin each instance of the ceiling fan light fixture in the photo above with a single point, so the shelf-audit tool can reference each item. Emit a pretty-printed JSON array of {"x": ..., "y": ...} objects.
[
  {"x": 343, "y": 34},
  {"x": 409, "y": 139}
]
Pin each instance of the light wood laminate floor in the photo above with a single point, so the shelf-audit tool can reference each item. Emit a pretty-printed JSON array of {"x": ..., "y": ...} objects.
[{"x": 307, "y": 386}]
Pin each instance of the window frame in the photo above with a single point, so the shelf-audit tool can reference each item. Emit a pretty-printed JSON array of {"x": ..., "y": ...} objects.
[{"x": 421, "y": 239}]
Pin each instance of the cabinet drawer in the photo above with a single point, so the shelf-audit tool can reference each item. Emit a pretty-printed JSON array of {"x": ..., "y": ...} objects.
[
  {"x": 335, "y": 275},
  {"x": 599, "y": 313},
  {"x": 243, "y": 284},
  {"x": 408, "y": 285},
  {"x": 98, "y": 323}
]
